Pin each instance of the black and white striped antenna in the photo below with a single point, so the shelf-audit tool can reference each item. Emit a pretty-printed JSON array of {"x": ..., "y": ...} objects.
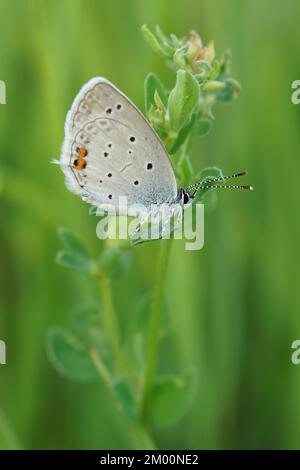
[{"x": 209, "y": 184}]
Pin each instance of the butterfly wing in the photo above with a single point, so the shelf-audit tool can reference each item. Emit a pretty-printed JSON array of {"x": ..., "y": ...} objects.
[{"x": 110, "y": 151}]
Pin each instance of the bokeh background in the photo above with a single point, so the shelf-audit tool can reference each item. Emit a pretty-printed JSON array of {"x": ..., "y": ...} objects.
[{"x": 235, "y": 304}]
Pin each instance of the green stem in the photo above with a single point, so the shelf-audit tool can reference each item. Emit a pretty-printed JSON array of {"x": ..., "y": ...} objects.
[
  {"x": 139, "y": 435},
  {"x": 110, "y": 319},
  {"x": 154, "y": 328},
  {"x": 112, "y": 326}
]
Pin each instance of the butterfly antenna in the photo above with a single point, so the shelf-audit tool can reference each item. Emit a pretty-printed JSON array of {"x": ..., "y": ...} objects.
[
  {"x": 222, "y": 186},
  {"x": 208, "y": 184}
]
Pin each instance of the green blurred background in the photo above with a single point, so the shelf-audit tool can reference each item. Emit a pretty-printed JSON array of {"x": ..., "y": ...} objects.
[{"x": 234, "y": 305}]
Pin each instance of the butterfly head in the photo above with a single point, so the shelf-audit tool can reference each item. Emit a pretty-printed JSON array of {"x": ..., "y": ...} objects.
[{"x": 183, "y": 196}]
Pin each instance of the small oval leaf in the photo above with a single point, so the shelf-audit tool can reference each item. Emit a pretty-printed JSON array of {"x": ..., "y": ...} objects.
[
  {"x": 69, "y": 356},
  {"x": 183, "y": 99},
  {"x": 152, "y": 84},
  {"x": 203, "y": 126},
  {"x": 207, "y": 196},
  {"x": 152, "y": 41},
  {"x": 230, "y": 90},
  {"x": 114, "y": 261},
  {"x": 71, "y": 260},
  {"x": 71, "y": 242},
  {"x": 172, "y": 398}
]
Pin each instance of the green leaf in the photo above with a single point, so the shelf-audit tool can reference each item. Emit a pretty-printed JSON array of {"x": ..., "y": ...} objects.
[
  {"x": 183, "y": 99},
  {"x": 69, "y": 356},
  {"x": 158, "y": 101},
  {"x": 156, "y": 118},
  {"x": 207, "y": 196},
  {"x": 203, "y": 126},
  {"x": 86, "y": 325},
  {"x": 125, "y": 399},
  {"x": 224, "y": 65},
  {"x": 166, "y": 42},
  {"x": 230, "y": 90},
  {"x": 153, "y": 41},
  {"x": 172, "y": 398},
  {"x": 174, "y": 41},
  {"x": 114, "y": 261},
  {"x": 71, "y": 260},
  {"x": 152, "y": 84},
  {"x": 202, "y": 68},
  {"x": 185, "y": 171},
  {"x": 180, "y": 57},
  {"x": 215, "y": 71},
  {"x": 183, "y": 134},
  {"x": 213, "y": 86},
  {"x": 208, "y": 173},
  {"x": 75, "y": 256},
  {"x": 71, "y": 242}
]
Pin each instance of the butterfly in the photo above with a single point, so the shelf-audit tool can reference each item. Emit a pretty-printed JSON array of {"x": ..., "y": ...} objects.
[{"x": 110, "y": 152}]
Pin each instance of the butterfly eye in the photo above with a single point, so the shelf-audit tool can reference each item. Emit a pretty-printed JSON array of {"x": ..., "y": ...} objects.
[
  {"x": 132, "y": 138},
  {"x": 136, "y": 183},
  {"x": 109, "y": 175},
  {"x": 186, "y": 198}
]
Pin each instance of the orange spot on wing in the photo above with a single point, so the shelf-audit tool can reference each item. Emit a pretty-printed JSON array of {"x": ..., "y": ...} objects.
[
  {"x": 82, "y": 152},
  {"x": 80, "y": 163}
]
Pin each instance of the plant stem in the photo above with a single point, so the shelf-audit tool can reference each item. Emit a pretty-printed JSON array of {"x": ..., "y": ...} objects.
[
  {"x": 109, "y": 316},
  {"x": 112, "y": 326},
  {"x": 154, "y": 327},
  {"x": 139, "y": 435}
]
